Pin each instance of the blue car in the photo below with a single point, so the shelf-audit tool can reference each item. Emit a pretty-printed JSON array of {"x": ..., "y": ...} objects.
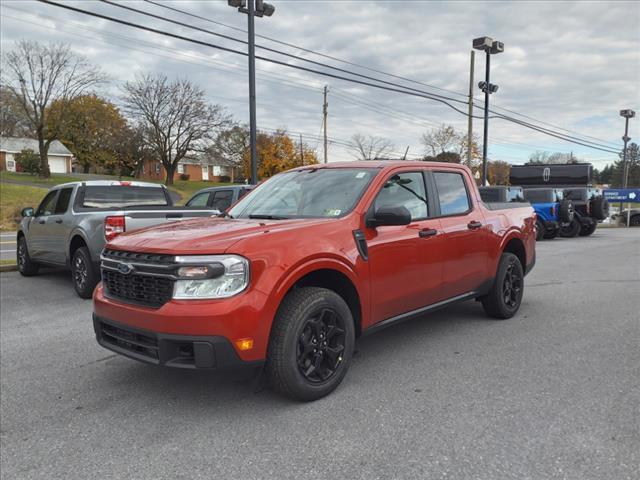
[{"x": 552, "y": 209}]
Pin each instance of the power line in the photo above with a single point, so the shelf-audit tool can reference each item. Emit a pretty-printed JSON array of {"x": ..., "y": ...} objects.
[
  {"x": 306, "y": 69},
  {"x": 368, "y": 68}
]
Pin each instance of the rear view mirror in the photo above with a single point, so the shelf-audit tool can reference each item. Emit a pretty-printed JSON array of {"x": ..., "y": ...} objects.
[
  {"x": 27, "y": 212},
  {"x": 390, "y": 216}
]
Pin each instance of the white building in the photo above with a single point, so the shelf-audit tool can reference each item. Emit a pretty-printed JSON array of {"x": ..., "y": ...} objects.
[{"x": 59, "y": 157}]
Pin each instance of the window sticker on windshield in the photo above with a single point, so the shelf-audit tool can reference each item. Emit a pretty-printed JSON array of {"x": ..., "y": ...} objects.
[
  {"x": 360, "y": 174},
  {"x": 332, "y": 212}
]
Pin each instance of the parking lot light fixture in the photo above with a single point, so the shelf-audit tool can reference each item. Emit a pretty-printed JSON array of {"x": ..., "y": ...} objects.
[
  {"x": 490, "y": 47},
  {"x": 253, "y": 8}
]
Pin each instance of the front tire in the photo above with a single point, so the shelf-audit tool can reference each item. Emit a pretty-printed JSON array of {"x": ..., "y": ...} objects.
[
  {"x": 550, "y": 235},
  {"x": 83, "y": 273},
  {"x": 540, "y": 230},
  {"x": 311, "y": 344},
  {"x": 26, "y": 266},
  {"x": 571, "y": 230},
  {"x": 505, "y": 296}
]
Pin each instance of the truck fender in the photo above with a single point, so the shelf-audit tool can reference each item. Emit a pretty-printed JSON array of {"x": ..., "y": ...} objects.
[{"x": 76, "y": 232}]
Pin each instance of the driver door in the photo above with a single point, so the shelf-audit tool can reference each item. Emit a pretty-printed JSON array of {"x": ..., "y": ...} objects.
[
  {"x": 39, "y": 229},
  {"x": 404, "y": 261}
]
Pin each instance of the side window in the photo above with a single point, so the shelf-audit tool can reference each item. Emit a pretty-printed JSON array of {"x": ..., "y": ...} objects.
[
  {"x": 199, "y": 200},
  {"x": 406, "y": 189},
  {"x": 452, "y": 193},
  {"x": 62, "y": 205},
  {"x": 222, "y": 199},
  {"x": 47, "y": 205}
]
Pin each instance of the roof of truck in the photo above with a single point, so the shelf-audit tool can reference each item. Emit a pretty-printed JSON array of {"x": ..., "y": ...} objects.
[
  {"x": 382, "y": 164},
  {"x": 109, "y": 183}
]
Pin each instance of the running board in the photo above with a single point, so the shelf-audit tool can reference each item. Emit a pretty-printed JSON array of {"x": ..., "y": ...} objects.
[{"x": 420, "y": 311}]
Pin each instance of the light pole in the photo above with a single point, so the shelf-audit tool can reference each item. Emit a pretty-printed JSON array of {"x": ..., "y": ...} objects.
[
  {"x": 257, "y": 9},
  {"x": 627, "y": 114},
  {"x": 490, "y": 47}
]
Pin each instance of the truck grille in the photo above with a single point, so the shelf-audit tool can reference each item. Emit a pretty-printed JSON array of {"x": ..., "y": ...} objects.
[
  {"x": 132, "y": 341},
  {"x": 122, "y": 256},
  {"x": 146, "y": 290}
]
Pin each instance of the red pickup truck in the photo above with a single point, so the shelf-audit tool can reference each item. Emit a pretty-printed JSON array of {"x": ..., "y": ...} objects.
[{"x": 307, "y": 262}]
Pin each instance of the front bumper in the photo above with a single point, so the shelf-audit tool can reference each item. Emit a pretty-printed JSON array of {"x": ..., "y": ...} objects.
[
  {"x": 179, "y": 351},
  {"x": 551, "y": 225}
]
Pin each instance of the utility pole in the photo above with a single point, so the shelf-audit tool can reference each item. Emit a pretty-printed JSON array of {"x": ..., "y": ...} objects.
[
  {"x": 627, "y": 114},
  {"x": 252, "y": 93},
  {"x": 405, "y": 153},
  {"x": 301, "y": 151},
  {"x": 253, "y": 8},
  {"x": 470, "y": 120},
  {"x": 324, "y": 122}
]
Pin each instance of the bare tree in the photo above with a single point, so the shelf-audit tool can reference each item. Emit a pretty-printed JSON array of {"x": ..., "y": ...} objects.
[
  {"x": 230, "y": 147},
  {"x": 38, "y": 75},
  {"x": 544, "y": 158},
  {"x": 13, "y": 121},
  {"x": 445, "y": 143},
  {"x": 370, "y": 148},
  {"x": 177, "y": 118}
]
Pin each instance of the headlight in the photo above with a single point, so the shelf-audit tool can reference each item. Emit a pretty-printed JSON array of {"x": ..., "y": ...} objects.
[{"x": 211, "y": 276}]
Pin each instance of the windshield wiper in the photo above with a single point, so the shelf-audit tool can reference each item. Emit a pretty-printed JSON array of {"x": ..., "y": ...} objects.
[{"x": 259, "y": 216}]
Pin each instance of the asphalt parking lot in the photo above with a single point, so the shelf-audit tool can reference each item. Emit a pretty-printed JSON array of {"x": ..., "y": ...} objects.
[{"x": 552, "y": 393}]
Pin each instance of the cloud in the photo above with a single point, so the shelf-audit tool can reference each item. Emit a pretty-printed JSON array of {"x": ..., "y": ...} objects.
[{"x": 572, "y": 64}]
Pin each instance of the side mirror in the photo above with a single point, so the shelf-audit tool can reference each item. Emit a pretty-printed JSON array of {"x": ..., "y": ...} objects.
[
  {"x": 27, "y": 212},
  {"x": 390, "y": 216}
]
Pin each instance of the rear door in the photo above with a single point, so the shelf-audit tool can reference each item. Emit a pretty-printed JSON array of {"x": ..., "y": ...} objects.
[
  {"x": 60, "y": 225},
  {"x": 464, "y": 231},
  {"x": 222, "y": 199},
  {"x": 200, "y": 200},
  {"x": 404, "y": 261}
]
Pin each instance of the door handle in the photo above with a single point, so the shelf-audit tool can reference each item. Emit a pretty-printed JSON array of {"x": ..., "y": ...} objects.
[
  {"x": 59, "y": 220},
  {"x": 427, "y": 232},
  {"x": 474, "y": 225}
]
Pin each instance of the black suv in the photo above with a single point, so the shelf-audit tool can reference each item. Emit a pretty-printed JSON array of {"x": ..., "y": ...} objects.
[{"x": 590, "y": 208}]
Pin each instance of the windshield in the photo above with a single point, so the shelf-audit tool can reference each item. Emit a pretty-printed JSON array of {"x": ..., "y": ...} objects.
[{"x": 309, "y": 193}]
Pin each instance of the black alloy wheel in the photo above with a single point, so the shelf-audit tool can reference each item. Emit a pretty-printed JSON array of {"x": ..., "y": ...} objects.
[
  {"x": 321, "y": 345},
  {"x": 79, "y": 270},
  {"x": 26, "y": 266},
  {"x": 512, "y": 286}
]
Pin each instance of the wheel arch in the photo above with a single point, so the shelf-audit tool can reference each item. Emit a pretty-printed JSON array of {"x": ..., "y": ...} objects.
[
  {"x": 77, "y": 241},
  {"x": 516, "y": 246},
  {"x": 332, "y": 275}
]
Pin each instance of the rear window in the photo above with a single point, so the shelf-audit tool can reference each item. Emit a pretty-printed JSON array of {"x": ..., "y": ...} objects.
[
  {"x": 121, "y": 196},
  {"x": 515, "y": 195},
  {"x": 490, "y": 194}
]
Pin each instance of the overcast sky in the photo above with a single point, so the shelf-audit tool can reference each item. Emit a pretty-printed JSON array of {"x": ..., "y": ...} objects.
[{"x": 570, "y": 64}]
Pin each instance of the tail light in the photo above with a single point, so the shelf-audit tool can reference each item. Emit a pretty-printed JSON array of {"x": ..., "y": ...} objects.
[{"x": 113, "y": 226}]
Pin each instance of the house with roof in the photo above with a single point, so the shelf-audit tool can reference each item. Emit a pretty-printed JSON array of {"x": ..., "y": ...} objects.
[{"x": 60, "y": 158}]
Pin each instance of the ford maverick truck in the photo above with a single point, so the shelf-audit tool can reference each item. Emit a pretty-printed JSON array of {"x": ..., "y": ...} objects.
[{"x": 307, "y": 262}]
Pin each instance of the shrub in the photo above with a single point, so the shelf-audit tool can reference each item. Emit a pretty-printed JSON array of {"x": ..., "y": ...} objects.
[
  {"x": 184, "y": 176},
  {"x": 225, "y": 178},
  {"x": 28, "y": 161}
]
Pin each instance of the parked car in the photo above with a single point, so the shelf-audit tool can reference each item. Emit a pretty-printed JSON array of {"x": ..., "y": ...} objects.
[
  {"x": 74, "y": 220},
  {"x": 590, "y": 207},
  {"x": 218, "y": 198},
  {"x": 310, "y": 260},
  {"x": 553, "y": 211},
  {"x": 504, "y": 194},
  {"x": 633, "y": 214}
]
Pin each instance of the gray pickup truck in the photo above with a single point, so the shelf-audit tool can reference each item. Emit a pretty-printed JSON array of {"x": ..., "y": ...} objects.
[{"x": 75, "y": 220}]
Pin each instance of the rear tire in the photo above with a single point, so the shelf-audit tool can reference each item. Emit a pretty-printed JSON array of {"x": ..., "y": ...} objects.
[
  {"x": 567, "y": 211},
  {"x": 634, "y": 221},
  {"x": 505, "y": 296},
  {"x": 571, "y": 230},
  {"x": 600, "y": 208},
  {"x": 311, "y": 344},
  {"x": 83, "y": 273},
  {"x": 587, "y": 230},
  {"x": 26, "y": 266}
]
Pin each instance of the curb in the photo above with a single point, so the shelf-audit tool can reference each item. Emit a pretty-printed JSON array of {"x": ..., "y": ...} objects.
[{"x": 8, "y": 268}]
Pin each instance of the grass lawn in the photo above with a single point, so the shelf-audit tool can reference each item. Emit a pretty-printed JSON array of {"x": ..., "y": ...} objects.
[
  {"x": 185, "y": 188},
  {"x": 45, "y": 182},
  {"x": 13, "y": 198}
]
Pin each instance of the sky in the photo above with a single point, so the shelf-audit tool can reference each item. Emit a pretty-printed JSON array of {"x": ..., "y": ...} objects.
[{"x": 567, "y": 66}]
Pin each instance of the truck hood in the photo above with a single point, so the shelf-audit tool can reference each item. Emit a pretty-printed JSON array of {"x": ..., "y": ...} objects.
[{"x": 202, "y": 236}]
